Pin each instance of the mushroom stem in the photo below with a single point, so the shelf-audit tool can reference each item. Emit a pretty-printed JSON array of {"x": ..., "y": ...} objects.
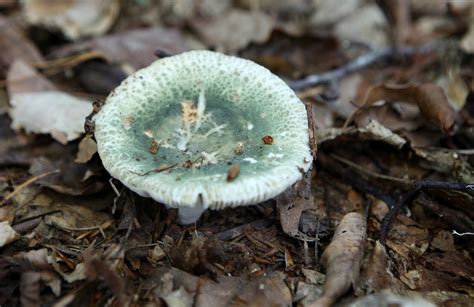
[{"x": 188, "y": 215}]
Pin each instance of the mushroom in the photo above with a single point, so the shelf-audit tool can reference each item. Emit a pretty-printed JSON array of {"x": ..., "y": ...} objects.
[{"x": 174, "y": 130}]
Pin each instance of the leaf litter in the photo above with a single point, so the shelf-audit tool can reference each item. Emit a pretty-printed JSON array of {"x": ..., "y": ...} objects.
[{"x": 383, "y": 218}]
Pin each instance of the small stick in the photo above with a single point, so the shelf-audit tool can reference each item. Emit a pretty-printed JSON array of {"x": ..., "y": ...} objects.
[{"x": 25, "y": 184}]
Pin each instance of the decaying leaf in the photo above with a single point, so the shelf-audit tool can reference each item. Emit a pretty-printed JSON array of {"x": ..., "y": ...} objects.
[
  {"x": 443, "y": 241},
  {"x": 37, "y": 107},
  {"x": 7, "y": 234},
  {"x": 446, "y": 162},
  {"x": 390, "y": 299},
  {"x": 467, "y": 42},
  {"x": 87, "y": 148},
  {"x": 235, "y": 30},
  {"x": 15, "y": 46},
  {"x": 343, "y": 258},
  {"x": 183, "y": 289},
  {"x": 364, "y": 24},
  {"x": 430, "y": 99},
  {"x": 375, "y": 275},
  {"x": 135, "y": 48},
  {"x": 74, "y": 18},
  {"x": 72, "y": 178},
  {"x": 374, "y": 131},
  {"x": 292, "y": 203}
]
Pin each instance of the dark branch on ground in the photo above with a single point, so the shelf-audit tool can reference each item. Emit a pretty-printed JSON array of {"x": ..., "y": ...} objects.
[
  {"x": 413, "y": 190},
  {"x": 360, "y": 63}
]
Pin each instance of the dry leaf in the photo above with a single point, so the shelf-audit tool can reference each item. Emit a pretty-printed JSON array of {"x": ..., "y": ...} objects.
[
  {"x": 390, "y": 299},
  {"x": 375, "y": 274},
  {"x": 430, "y": 99},
  {"x": 15, "y": 46},
  {"x": 37, "y": 107},
  {"x": 364, "y": 25},
  {"x": 135, "y": 48},
  {"x": 7, "y": 234},
  {"x": 444, "y": 241},
  {"x": 373, "y": 131},
  {"x": 330, "y": 12},
  {"x": 235, "y": 30},
  {"x": 74, "y": 18},
  {"x": 446, "y": 162},
  {"x": 87, "y": 149},
  {"x": 292, "y": 202},
  {"x": 343, "y": 258},
  {"x": 467, "y": 42}
]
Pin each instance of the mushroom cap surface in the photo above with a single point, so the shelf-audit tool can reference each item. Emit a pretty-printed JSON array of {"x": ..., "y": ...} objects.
[{"x": 173, "y": 130}]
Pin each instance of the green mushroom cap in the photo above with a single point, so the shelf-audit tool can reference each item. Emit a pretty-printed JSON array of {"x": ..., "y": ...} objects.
[{"x": 202, "y": 129}]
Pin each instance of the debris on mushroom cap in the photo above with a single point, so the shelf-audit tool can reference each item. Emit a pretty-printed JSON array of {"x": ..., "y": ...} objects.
[{"x": 197, "y": 106}]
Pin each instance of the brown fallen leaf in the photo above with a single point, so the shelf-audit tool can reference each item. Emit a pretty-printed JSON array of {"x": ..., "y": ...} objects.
[
  {"x": 343, "y": 258},
  {"x": 375, "y": 275},
  {"x": 97, "y": 269},
  {"x": 373, "y": 130},
  {"x": 467, "y": 42},
  {"x": 38, "y": 107},
  {"x": 7, "y": 234},
  {"x": 292, "y": 203},
  {"x": 430, "y": 99},
  {"x": 133, "y": 47},
  {"x": 72, "y": 178},
  {"x": 74, "y": 18},
  {"x": 234, "y": 30},
  {"x": 87, "y": 148},
  {"x": 15, "y": 46}
]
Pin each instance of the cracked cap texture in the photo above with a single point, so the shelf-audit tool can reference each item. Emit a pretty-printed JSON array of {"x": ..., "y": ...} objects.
[{"x": 173, "y": 130}]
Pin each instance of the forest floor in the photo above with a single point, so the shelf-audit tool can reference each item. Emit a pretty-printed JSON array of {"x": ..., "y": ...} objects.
[{"x": 385, "y": 217}]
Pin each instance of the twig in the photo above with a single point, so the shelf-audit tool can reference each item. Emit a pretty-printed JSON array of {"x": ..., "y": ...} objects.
[
  {"x": 368, "y": 172},
  {"x": 359, "y": 63},
  {"x": 25, "y": 184},
  {"x": 414, "y": 187},
  {"x": 312, "y": 133}
]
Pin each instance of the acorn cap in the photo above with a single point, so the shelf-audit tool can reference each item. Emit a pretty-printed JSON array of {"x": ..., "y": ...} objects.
[{"x": 204, "y": 130}]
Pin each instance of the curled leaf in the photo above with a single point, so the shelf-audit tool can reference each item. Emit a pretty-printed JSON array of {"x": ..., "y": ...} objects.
[
  {"x": 343, "y": 258},
  {"x": 430, "y": 99}
]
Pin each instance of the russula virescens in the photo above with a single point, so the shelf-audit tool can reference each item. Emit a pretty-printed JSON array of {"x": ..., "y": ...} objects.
[{"x": 193, "y": 131}]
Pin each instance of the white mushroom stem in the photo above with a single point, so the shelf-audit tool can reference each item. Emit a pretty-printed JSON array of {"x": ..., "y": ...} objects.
[{"x": 188, "y": 215}]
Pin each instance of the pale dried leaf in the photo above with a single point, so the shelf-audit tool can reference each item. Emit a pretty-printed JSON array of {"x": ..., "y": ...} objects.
[
  {"x": 53, "y": 112},
  {"x": 364, "y": 25},
  {"x": 76, "y": 217},
  {"x": 430, "y": 99},
  {"x": 87, "y": 149},
  {"x": 15, "y": 46},
  {"x": 235, "y": 30},
  {"x": 443, "y": 241},
  {"x": 376, "y": 275},
  {"x": 74, "y": 18},
  {"x": 135, "y": 48},
  {"x": 390, "y": 299},
  {"x": 37, "y": 107},
  {"x": 446, "y": 162},
  {"x": 343, "y": 258},
  {"x": 78, "y": 274},
  {"x": 467, "y": 42},
  {"x": 373, "y": 131},
  {"x": 7, "y": 234},
  {"x": 330, "y": 12}
]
